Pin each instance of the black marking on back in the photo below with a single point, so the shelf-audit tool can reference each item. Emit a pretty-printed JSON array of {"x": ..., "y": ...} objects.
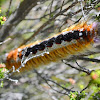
[
  {"x": 34, "y": 49},
  {"x": 28, "y": 51},
  {"x": 50, "y": 42},
  {"x": 75, "y": 35},
  {"x": 84, "y": 34},
  {"x": 59, "y": 39},
  {"x": 68, "y": 37}
]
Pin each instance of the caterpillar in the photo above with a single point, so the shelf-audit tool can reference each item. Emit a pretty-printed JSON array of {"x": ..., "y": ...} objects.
[{"x": 74, "y": 40}]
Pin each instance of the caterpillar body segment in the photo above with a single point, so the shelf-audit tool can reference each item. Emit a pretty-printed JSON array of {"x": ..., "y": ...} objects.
[{"x": 74, "y": 40}]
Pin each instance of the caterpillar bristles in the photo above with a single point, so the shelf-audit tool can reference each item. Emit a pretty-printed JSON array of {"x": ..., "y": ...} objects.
[{"x": 75, "y": 40}]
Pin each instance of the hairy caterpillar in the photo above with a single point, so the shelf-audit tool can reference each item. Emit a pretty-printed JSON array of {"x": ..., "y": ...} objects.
[{"x": 71, "y": 41}]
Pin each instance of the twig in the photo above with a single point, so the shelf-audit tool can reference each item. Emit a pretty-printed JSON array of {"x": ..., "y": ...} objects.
[
  {"x": 16, "y": 17},
  {"x": 5, "y": 41},
  {"x": 53, "y": 12},
  {"x": 7, "y": 14},
  {"x": 82, "y": 67},
  {"x": 59, "y": 13},
  {"x": 23, "y": 32},
  {"x": 89, "y": 59},
  {"x": 86, "y": 87},
  {"x": 79, "y": 69},
  {"x": 46, "y": 80},
  {"x": 51, "y": 8},
  {"x": 46, "y": 23}
]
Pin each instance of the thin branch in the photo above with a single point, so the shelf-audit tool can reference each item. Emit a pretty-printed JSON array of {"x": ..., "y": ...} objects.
[
  {"x": 79, "y": 69},
  {"x": 75, "y": 57},
  {"x": 44, "y": 16},
  {"x": 16, "y": 17},
  {"x": 5, "y": 41},
  {"x": 82, "y": 67},
  {"x": 62, "y": 5},
  {"x": 23, "y": 32},
  {"x": 46, "y": 80},
  {"x": 89, "y": 59},
  {"x": 51, "y": 8},
  {"x": 86, "y": 86},
  {"x": 7, "y": 14},
  {"x": 53, "y": 18},
  {"x": 46, "y": 23}
]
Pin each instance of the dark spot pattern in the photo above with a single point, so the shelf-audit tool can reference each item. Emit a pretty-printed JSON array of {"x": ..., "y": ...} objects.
[
  {"x": 34, "y": 49},
  {"x": 50, "y": 42},
  {"x": 68, "y": 37},
  {"x": 42, "y": 46},
  {"x": 28, "y": 51},
  {"x": 75, "y": 34},
  {"x": 59, "y": 39}
]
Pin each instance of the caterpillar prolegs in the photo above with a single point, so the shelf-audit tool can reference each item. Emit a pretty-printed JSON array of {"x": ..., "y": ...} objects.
[{"x": 71, "y": 41}]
